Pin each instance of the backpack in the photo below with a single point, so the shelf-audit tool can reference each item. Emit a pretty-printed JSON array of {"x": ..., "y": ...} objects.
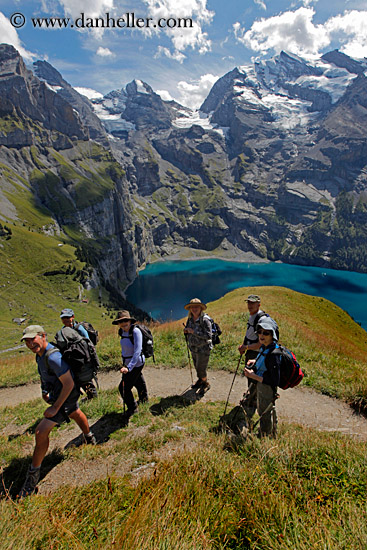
[
  {"x": 216, "y": 330},
  {"x": 78, "y": 352},
  {"x": 148, "y": 342},
  {"x": 290, "y": 371},
  {"x": 92, "y": 332}
]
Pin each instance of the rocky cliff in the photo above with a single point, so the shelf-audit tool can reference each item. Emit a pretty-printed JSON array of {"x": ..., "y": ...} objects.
[{"x": 273, "y": 164}]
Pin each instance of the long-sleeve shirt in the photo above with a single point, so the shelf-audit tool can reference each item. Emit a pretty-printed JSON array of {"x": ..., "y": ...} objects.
[
  {"x": 201, "y": 340},
  {"x": 131, "y": 353}
]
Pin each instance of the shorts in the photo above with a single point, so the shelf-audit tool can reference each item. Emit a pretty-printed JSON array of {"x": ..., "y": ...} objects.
[{"x": 69, "y": 406}]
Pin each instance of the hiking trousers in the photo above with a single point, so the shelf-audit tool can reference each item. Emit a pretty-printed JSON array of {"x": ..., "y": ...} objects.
[
  {"x": 200, "y": 360},
  {"x": 131, "y": 379},
  {"x": 259, "y": 396}
]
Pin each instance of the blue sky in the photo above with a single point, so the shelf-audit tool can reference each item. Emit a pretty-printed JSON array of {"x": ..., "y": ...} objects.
[{"x": 181, "y": 63}]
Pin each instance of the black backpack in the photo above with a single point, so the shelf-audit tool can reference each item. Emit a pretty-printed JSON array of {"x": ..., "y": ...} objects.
[
  {"x": 78, "y": 352},
  {"x": 290, "y": 372},
  {"x": 92, "y": 332},
  {"x": 216, "y": 330},
  {"x": 148, "y": 341}
]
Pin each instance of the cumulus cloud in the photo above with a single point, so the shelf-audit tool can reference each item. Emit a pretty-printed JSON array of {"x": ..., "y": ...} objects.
[
  {"x": 186, "y": 36},
  {"x": 291, "y": 30},
  {"x": 104, "y": 52},
  {"x": 10, "y": 36},
  {"x": 193, "y": 93},
  {"x": 351, "y": 30},
  {"x": 165, "y": 95},
  {"x": 296, "y": 32}
]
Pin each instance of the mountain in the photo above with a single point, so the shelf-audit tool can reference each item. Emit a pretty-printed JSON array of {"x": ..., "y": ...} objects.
[{"x": 272, "y": 165}]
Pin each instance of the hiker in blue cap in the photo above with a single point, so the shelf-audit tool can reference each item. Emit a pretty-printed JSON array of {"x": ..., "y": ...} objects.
[
  {"x": 67, "y": 316},
  {"x": 61, "y": 394},
  {"x": 263, "y": 374}
]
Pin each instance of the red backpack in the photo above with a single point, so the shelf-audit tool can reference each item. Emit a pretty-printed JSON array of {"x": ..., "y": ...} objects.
[{"x": 290, "y": 372}]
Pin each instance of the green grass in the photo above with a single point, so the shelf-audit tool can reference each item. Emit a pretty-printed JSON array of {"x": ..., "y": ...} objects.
[{"x": 185, "y": 487}]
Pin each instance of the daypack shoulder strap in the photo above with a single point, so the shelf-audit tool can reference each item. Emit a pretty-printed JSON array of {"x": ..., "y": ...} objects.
[{"x": 47, "y": 355}]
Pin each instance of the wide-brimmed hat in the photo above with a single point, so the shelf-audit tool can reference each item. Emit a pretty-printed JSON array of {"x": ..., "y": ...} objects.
[
  {"x": 32, "y": 331},
  {"x": 67, "y": 312},
  {"x": 195, "y": 302},
  {"x": 123, "y": 315},
  {"x": 267, "y": 323},
  {"x": 253, "y": 298}
]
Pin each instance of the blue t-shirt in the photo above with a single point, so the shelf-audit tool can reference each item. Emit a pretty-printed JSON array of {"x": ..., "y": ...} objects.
[
  {"x": 50, "y": 375},
  {"x": 132, "y": 354},
  {"x": 260, "y": 359}
]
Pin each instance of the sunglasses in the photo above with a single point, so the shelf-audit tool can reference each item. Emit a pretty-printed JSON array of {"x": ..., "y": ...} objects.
[{"x": 264, "y": 332}]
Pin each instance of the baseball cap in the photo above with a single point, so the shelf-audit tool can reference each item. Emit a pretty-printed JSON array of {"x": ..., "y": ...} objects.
[
  {"x": 253, "y": 298},
  {"x": 67, "y": 312},
  {"x": 32, "y": 331}
]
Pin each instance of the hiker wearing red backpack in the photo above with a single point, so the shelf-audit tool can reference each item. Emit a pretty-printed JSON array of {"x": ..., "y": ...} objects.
[
  {"x": 61, "y": 394},
  {"x": 133, "y": 360},
  {"x": 263, "y": 374}
]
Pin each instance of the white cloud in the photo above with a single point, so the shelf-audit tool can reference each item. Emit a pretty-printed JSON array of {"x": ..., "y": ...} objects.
[
  {"x": 192, "y": 94},
  {"x": 261, "y": 4},
  {"x": 165, "y": 95},
  {"x": 291, "y": 30},
  {"x": 91, "y": 8},
  {"x": 351, "y": 29},
  {"x": 104, "y": 52},
  {"x": 184, "y": 36},
  {"x": 176, "y": 55},
  {"x": 10, "y": 36},
  {"x": 296, "y": 32}
]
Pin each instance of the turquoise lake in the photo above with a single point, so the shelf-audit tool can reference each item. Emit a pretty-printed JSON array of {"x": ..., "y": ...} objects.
[{"x": 163, "y": 288}]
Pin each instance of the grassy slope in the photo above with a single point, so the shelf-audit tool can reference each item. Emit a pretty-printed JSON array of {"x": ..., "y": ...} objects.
[
  {"x": 25, "y": 290},
  {"x": 184, "y": 486}
]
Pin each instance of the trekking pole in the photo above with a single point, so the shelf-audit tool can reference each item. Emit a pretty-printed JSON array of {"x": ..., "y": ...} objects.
[
  {"x": 230, "y": 389},
  {"x": 123, "y": 393},
  {"x": 188, "y": 356}
]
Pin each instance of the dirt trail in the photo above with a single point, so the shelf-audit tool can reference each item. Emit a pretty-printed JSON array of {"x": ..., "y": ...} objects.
[{"x": 300, "y": 405}]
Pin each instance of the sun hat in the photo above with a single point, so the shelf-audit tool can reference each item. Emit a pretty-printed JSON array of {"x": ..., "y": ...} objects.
[
  {"x": 123, "y": 315},
  {"x": 195, "y": 302},
  {"x": 67, "y": 312},
  {"x": 267, "y": 323},
  {"x": 32, "y": 331},
  {"x": 253, "y": 298}
]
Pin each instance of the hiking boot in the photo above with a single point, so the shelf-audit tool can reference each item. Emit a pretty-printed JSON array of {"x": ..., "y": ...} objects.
[
  {"x": 129, "y": 412},
  {"x": 143, "y": 400},
  {"x": 30, "y": 484},
  {"x": 204, "y": 387},
  {"x": 197, "y": 384},
  {"x": 90, "y": 439}
]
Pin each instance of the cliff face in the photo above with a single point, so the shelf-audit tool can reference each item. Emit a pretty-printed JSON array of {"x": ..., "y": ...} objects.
[{"x": 273, "y": 164}]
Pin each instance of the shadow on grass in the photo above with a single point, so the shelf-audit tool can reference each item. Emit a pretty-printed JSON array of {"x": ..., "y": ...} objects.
[
  {"x": 185, "y": 399},
  {"x": 102, "y": 429},
  {"x": 30, "y": 430},
  {"x": 13, "y": 476}
]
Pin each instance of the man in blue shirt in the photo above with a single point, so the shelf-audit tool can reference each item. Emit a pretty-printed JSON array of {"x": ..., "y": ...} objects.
[
  {"x": 68, "y": 318},
  {"x": 60, "y": 392}
]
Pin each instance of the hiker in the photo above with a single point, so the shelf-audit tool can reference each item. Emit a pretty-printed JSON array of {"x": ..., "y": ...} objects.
[
  {"x": 198, "y": 334},
  {"x": 263, "y": 374},
  {"x": 251, "y": 344},
  {"x": 68, "y": 318},
  {"x": 61, "y": 394},
  {"x": 133, "y": 360}
]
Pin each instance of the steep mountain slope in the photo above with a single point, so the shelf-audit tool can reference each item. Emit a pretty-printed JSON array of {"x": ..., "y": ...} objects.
[{"x": 273, "y": 164}]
